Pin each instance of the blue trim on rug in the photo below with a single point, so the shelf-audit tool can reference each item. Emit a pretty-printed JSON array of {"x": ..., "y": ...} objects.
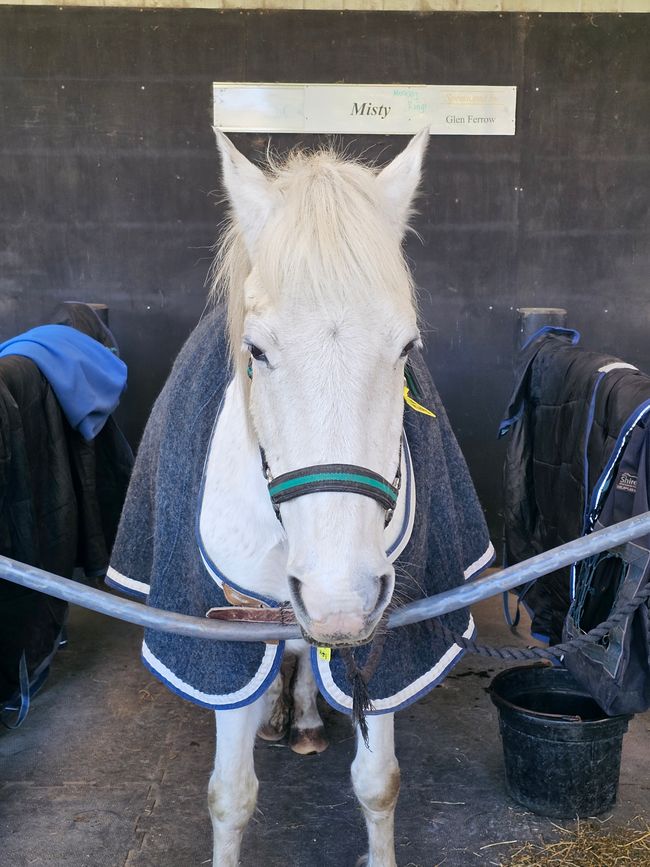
[
  {"x": 20, "y": 701},
  {"x": 552, "y": 329},
  {"x": 507, "y": 423},
  {"x": 129, "y": 591},
  {"x": 600, "y": 487},
  {"x": 409, "y": 482},
  {"x": 512, "y": 622},
  {"x": 411, "y": 700},
  {"x": 529, "y": 611},
  {"x": 480, "y": 569},
  {"x": 313, "y": 658},
  {"x": 585, "y": 445},
  {"x": 262, "y": 688},
  {"x": 213, "y": 570},
  {"x": 521, "y": 602}
]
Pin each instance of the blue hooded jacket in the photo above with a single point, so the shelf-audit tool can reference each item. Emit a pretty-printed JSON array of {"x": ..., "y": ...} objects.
[{"x": 86, "y": 377}]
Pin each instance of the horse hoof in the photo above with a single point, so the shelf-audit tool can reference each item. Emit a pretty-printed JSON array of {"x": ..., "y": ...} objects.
[
  {"x": 269, "y": 733},
  {"x": 308, "y": 741}
]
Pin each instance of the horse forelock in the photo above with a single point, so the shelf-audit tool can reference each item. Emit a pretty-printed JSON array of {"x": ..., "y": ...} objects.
[{"x": 330, "y": 241}]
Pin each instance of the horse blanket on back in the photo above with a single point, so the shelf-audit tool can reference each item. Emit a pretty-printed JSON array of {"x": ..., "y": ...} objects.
[{"x": 442, "y": 539}]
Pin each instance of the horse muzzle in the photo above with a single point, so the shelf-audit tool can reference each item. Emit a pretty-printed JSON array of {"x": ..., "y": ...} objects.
[{"x": 328, "y": 625}]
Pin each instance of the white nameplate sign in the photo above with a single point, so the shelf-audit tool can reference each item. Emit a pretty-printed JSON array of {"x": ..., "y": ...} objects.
[{"x": 390, "y": 109}]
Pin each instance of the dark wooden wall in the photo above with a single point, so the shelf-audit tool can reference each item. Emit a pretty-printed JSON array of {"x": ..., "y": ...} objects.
[{"x": 108, "y": 175}]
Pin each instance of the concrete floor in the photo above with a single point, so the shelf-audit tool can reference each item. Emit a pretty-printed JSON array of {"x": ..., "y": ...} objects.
[{"x": 110, "y": 770}]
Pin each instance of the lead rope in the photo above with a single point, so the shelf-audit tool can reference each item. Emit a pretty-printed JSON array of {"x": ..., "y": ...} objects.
[
  {"x": 358, "y": 678},
  {"x": 558, "y": 651}
]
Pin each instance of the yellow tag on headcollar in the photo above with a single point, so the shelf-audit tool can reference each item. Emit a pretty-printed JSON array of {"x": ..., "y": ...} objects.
[
  {"x": 415, "y": 405},
  {"x": 325, "y": 653}
]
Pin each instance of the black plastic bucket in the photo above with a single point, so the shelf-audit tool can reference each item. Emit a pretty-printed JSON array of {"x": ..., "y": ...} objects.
[{"x": 562, "y": 752}]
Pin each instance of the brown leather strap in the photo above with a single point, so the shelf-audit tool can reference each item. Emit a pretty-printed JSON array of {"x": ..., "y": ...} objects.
[
  {"x": 235, "y": 597},
  {"x": 283, "y": 616}
]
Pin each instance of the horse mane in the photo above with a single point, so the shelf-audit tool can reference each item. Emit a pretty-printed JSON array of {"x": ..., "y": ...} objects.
[{"x": 331, "y": 240}]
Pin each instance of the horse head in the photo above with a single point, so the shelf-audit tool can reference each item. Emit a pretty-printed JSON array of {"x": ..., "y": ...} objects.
[{"x": 322, "y": 317}]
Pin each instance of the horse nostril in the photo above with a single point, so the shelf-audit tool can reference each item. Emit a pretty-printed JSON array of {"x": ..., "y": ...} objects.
[
  {"x": 324, "y": 608},
  {"x": 385, "y": 591},
  {"x": 295, "y": 588}
]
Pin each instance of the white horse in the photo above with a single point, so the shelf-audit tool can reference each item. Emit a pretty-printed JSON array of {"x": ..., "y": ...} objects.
[{"x": 321, "y": 302}]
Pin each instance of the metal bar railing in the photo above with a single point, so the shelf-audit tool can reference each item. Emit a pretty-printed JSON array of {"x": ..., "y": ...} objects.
[
  {"x": 522, "y": 573},
  {"x": 423, "y": 609}
]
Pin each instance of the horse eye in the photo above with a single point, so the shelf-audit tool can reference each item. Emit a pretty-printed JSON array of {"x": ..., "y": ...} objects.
[
  {"x": 409, "y": 346},
  {"x": 257, "y": 353}
]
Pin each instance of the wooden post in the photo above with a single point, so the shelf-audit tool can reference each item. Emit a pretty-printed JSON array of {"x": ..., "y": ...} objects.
[
  {"x": 531, "y": 319},
  {"x": 102, "y": 311}
]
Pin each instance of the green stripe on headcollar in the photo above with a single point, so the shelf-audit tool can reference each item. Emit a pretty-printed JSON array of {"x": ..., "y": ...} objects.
[{"x": 316, "y": 478}]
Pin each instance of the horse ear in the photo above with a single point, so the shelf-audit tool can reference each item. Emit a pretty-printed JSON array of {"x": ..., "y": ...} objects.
[
  {"x": 399, "y": 180},
  {"x": 248, "y": 188}
]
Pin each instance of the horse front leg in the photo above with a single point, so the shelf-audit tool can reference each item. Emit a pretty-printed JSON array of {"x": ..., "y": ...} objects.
[
  {"x": 307, "y": 733},
  {"x": 375, "y": 778},
  {"x": 232, "y": 791}
]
